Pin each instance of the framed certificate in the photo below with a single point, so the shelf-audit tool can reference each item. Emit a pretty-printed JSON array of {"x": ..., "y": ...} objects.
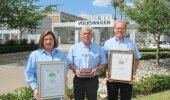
[
  {"x": 51, "y": 79},
  {"x": 121, "y": 65}
]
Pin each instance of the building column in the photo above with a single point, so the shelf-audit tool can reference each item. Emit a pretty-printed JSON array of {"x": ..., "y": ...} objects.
[
  {"x": 96, "y": 37},
  {"x": 10, "y": 37},
  {"x": 57, "y": 34},
  {"x": 18, "y": 35},
  {"x": 77, "y": 36},
  {"x": 53, "y": 28},
  {"x": 3, "y": 36},
  {"x": 133, "y": 34}
]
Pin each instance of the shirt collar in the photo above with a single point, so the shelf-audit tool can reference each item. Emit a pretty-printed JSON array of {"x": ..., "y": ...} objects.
[
  {"x": 54, "y": 50},
  {"x": 84, "y": 46},
  {"x": 115, "y": 38}
]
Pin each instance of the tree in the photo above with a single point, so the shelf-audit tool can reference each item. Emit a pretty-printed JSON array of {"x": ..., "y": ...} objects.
[
  {"x": 121, "y": 6},
  {"x": 115, "y": 4},
  {"x": 153, "y": 16},
  {"x": 4, "y": 12},
  {"x": 22, "y": 14}
]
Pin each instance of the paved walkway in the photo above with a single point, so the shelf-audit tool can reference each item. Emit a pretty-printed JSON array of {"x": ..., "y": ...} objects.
[{"x": 12, "y": 75}]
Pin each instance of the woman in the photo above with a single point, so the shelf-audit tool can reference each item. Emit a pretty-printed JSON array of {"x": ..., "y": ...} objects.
[{"x": 47, "y": 52}]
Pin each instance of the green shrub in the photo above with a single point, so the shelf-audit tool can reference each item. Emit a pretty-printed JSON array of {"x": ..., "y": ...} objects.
[
  {"x": 148, "y": 55},
  {"x": 102, "y": 74},
  {"x": 70, "y": 92},
  {"x": 18, "y": 48},
  {"x": 11, "y": 43},
  {"x": 24, "y": 93},
  {"x": 153, "y": 49},
  {"x": 153, "y": 84},
  {"x": 152, "y": 55},
  {"x": 23, "y": 41},
  {"x": 8, "y": 96}
]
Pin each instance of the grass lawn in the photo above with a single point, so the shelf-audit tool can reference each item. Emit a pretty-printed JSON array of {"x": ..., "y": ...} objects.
[{"x": 157, "y": 96}]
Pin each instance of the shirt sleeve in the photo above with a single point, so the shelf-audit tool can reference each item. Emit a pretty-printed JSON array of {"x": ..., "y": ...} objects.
[
  {"x": 65, "y": 61},
  {"x": 103, "y": 56},
  {"x": 30, "y": 71},
  {"x": 69, "y": 58},
  {"x": 137, "y": 54},
  {"x": 105, "y": 50}
]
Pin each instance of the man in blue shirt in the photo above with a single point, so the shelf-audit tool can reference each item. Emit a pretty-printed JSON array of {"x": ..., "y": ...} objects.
[
  {"x": 86, "y": 57},
  {"x": 120, "y": 42}
]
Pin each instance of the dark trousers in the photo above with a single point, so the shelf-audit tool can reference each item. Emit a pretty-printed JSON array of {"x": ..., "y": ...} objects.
[
  {"x": 85, "y": 87},
  {"x": 113, "y": 89}
]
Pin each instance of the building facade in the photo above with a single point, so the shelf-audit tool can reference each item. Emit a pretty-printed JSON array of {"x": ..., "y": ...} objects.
[
  {"x": 102, "y": 28},
  {"x": 67, "y": 28},
  {"x": 6, "y": 34}
]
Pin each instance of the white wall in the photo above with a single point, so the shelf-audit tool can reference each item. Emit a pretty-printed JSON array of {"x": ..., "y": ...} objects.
[{"x": 45, "y": 24}]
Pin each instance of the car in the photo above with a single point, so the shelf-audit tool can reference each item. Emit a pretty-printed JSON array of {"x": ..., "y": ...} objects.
[
  {"x": 167, "y": 45},
  {"x": 154, "y": 45}
]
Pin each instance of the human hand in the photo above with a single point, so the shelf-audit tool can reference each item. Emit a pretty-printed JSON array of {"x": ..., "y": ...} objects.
[
  {"x": 133, "y": 80},
  {"x": 93, "y": 72},
  {"x": 107, "y": 75},
  {"x": 77, "y": 72},
  {"x": 36, "y": 93}
]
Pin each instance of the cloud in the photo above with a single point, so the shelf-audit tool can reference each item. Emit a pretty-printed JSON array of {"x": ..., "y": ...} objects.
[
  {"x": 101, "y": 3},
  {"x": 130, "y": 4},
  {"x": 83, "y": 14}
]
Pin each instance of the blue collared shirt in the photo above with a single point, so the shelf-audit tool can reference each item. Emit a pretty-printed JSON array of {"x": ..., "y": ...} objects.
[
  {"x": 95, "y": 54},
  {"x": 36, "y": 56},
  {"x": 124, "y": 45}
]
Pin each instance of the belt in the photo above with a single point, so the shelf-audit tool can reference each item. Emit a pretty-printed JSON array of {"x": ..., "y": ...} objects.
[{"x": 86, "y": 78}]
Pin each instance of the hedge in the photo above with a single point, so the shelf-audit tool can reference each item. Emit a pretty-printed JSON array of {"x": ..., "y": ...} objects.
[
  {"x": 153, "y": 49},
  {"x": 153, "y": 84},
  {"x": 18, "y": 48},
  {"x": 152, "y": 55}
]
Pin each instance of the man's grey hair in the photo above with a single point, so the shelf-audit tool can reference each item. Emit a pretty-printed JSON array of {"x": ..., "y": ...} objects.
[
  {"x": 86, "y": 28},
  {"x": 120, "y": 21}
]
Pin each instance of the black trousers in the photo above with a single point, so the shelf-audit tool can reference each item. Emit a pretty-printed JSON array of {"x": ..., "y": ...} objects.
[
  {"x": 85, "y": 87},
  {"x": 113, "y": 89}
]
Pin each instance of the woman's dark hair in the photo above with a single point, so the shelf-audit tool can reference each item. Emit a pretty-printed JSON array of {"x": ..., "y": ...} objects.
[{"x": 41, "y": 40}]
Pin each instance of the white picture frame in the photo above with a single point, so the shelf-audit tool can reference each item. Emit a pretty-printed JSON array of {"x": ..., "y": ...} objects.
[
  {"x": 51, "y": 81},
  {"x": 121, "y": 66}
]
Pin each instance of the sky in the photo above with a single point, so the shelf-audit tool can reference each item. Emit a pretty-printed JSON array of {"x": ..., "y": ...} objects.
[{"x": 82, "y": 7}]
